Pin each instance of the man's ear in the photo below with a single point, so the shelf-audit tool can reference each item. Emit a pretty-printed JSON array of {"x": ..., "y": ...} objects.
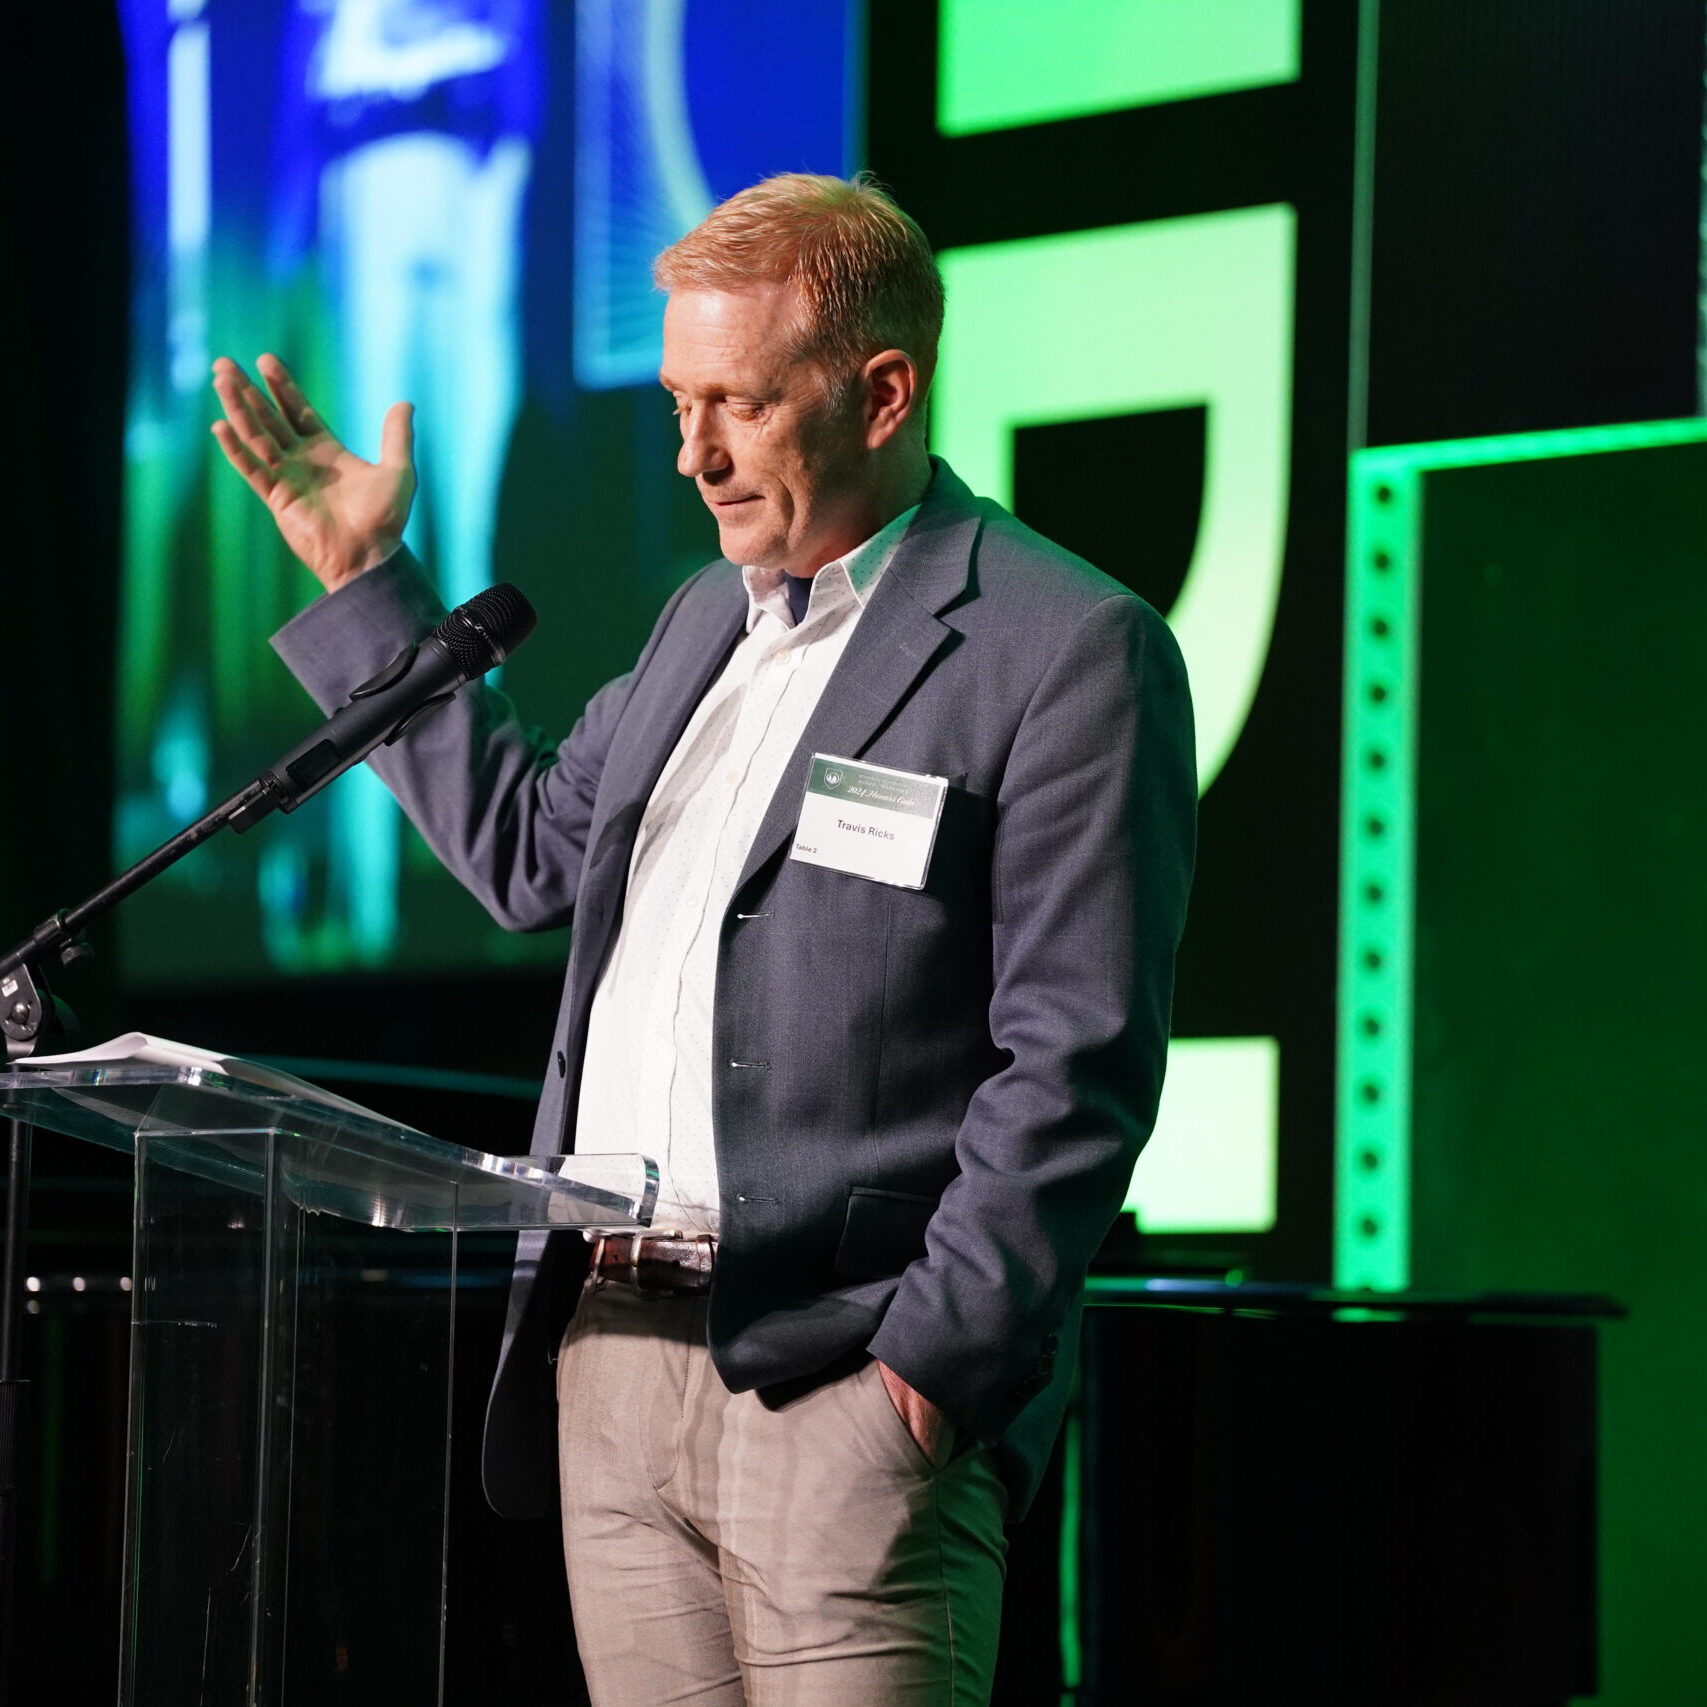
[{"x": 891, "y": 386}]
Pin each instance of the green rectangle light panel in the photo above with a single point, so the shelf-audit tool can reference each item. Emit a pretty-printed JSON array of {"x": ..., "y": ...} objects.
[
  {"x": 1015, "y": 62},
  {"x": 1385, "y": 603}
]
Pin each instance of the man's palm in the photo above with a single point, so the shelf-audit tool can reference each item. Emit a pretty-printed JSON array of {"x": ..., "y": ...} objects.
[{"x": 339, "y": 513}]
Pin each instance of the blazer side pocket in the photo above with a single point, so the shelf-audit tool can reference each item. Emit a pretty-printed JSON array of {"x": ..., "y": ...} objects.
[{"x": 883, "y": 1232}]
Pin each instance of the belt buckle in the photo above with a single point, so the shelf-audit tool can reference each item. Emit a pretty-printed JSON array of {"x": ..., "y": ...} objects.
[
  {"x": 707, "y": 1244},
  {"x": 634, "y": 1272},
  {"x": 632, "y": 1281},
  {"x": 601, "y": 1275}
]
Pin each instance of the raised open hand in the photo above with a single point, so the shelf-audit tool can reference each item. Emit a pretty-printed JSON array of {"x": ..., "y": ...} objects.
[{"x": 338, "y": 513}]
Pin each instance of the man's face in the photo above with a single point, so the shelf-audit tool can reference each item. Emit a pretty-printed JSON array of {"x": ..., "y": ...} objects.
[{"x": 781, "y": 466}]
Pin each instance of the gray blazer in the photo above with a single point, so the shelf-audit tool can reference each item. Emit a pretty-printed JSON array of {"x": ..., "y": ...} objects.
[{"x": 927, "y": 1104}]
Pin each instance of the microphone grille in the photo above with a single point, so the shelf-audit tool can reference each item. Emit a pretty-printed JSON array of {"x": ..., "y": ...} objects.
[{"x": 487, "y": 629}]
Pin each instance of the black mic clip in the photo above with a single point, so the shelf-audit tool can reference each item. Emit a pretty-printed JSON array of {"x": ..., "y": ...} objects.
[
  {"x": 299, "y": 774},
  {"x": 393, "y": 673}
]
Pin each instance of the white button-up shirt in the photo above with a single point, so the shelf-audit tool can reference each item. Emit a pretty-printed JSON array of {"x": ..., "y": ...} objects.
[{"x": 646, "y": 1084}]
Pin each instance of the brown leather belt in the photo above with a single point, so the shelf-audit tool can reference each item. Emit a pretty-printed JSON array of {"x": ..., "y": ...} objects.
[{"x": 654, "y": 1265}]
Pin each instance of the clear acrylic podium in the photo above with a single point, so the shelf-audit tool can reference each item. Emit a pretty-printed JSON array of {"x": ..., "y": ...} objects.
[{"x": 285, "y": 1534}]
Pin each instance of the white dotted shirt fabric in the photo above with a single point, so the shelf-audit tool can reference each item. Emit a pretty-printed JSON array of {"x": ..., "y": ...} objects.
[{"x": 646, "y": 1084}]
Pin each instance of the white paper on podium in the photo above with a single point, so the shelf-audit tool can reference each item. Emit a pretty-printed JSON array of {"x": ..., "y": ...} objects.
[{"x": 139, "y": 1047}]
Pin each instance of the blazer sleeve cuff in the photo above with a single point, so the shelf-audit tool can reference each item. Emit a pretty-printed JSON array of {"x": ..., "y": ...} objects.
[
  {"x": 345, "y": 637},
  {"x": 978, "y": 1391}
]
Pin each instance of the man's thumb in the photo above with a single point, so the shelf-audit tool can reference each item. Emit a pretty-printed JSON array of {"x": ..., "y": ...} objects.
[{"x": 397, "y": 441}]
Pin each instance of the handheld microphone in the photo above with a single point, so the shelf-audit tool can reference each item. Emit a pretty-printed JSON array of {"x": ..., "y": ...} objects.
[{"x": 424, "y": 676}]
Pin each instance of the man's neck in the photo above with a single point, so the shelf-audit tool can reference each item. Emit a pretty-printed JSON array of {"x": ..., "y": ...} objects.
[{"x": 903, "y": 484}]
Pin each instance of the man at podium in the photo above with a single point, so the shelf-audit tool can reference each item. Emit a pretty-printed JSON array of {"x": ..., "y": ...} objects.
[{"x": 876, "y": 863}]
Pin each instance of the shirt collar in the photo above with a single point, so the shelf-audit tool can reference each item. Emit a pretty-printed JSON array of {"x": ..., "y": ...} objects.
[{"x": 854, "y": 576}]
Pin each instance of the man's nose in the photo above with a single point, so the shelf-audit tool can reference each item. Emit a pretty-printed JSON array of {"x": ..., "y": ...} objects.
[{"x": 701, "y": 452}]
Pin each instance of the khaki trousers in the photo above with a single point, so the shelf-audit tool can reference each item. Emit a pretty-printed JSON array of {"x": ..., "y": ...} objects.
[{"x": 725, "y": 1554}]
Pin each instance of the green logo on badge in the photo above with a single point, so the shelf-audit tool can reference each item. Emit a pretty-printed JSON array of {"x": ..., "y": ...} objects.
[{"x": 875, "y": 785}]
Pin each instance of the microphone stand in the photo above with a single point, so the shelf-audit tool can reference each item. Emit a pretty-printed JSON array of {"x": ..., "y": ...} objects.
[
  {"x": 23, "y": 988},
  {"x": 29, "y": 1016}
]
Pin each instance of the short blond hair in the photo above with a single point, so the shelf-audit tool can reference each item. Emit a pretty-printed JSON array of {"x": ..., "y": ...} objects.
[{"x": 862, "y": 269}]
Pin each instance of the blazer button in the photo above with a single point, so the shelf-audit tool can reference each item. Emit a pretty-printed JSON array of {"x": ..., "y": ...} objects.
[{"x": 562, "y": 1065}]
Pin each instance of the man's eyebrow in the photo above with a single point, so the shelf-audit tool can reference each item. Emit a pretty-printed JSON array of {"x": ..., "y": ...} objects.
[{"x": 671, "y": 385}]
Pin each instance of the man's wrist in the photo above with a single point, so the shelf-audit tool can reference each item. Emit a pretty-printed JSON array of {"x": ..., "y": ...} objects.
[{"x": 380, "y": 552}]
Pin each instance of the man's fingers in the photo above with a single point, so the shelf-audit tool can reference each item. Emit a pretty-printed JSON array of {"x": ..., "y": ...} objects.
[
  {"x": 266, "y": 432},
  {"x": 248, "y": 425},
  {"x": 259, "y": 476},
  {"x": 271, "y": 419},
  {"x": 397, "y": 441},
  {"x": 298, "y": 412},
  {"x": 236, "y": 397}
]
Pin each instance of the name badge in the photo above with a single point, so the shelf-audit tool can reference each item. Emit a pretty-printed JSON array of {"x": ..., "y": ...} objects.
[{"x": 869, "y": 821}]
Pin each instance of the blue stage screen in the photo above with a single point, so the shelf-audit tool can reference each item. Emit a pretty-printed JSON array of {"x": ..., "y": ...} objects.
[{"x": 455, "y": 202}]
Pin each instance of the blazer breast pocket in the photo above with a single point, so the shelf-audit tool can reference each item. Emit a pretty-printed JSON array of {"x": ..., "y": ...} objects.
[
  {"x": 960, "y": 859},
  {"x": 884, "y": 1231}
]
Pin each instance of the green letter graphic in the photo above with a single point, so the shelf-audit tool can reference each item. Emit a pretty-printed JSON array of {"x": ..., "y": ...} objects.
[{"x": 1163, "y": 315}]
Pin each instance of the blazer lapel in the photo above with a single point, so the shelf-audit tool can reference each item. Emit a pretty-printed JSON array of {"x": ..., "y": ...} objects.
[
  {"x": 694, "y": 647},
  {"x": 898, "y": 636}
]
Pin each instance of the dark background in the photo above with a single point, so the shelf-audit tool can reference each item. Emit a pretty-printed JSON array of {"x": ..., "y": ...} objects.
[{"x": 1534, "y": 205}]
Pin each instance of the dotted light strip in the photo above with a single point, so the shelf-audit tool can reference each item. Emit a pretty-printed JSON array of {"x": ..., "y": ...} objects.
[{"x": 1377, "y": 844}]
